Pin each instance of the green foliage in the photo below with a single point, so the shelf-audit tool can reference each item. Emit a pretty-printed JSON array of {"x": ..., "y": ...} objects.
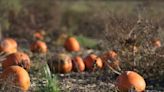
[
  {"x": 87, "y": 42},
  {"x": 46, "y": 82},
  {"x": 52, "y": 85}
]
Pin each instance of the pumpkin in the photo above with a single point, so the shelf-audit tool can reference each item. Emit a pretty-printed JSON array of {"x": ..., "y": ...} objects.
[
  {"x": 39, "y": 47},
  {"x": 17, "y": 77},
  {"x": 78, "y": 64},
  {"x": 18, "y": 58},
  {"x": 60, "y": 63},
  {"x": 129, "y": 80},
  {"x": 156, "y": 43},
  {"x": 92, "y": 61},
  {"x": 71, "y": 44},
  {"x": 8, "y": 45}
]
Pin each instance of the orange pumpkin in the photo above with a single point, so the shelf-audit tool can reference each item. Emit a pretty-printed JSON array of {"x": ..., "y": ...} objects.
[
  {"x": 71, "y": 44},
  {"x": 60, "y": 63},
  {"x": 17, "y": 77},
  {"x": 39, "y": 47},
  {"x": 8, "y": 45},
  {"x": 92, "y": 61},
  {"x": 130, "y": 79},
  {"x": 18, "y": 58},
  {"x": 78, "y": 64}
]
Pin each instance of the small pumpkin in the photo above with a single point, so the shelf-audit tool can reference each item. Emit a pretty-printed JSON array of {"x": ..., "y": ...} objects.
[
  {"x": 78, "y": 64},
  {"x": 8, "y": 45},
  {"x": 18, "y": 58},
  {"x": 92, "y": 61},
  {"x": 60, "y": 63},
  {"x": 71, "y": 44},
  {"x": 130, "y": 79},
  {"x": 17, "y": 77},
  {"x": 39, "y": 47}
]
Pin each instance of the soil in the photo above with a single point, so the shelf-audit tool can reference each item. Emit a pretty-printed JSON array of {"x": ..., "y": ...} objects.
[{"x": 101, "y": 81}]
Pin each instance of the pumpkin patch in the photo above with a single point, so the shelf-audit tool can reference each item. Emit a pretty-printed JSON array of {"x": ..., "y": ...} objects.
[{"x": 81, "y": 46}]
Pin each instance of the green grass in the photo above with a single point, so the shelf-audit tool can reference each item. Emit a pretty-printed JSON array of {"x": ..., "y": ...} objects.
[
  {"x": 87, "y": 42},
  {"x": 44, "y": 80},
  {"x": 52, "y": 83}
]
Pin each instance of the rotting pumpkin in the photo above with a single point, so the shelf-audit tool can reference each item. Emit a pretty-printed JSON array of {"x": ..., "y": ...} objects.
[
  {"x": 78, "y": 64},
  {"x": 8, "y": 46},
  {"x": 71, "y": 44},
  {"x": 129, "y": 80},
  {"x": 18, "y": 58},
  {"x": 60, "y": 63},
  {"x": 16, "y": 78}
]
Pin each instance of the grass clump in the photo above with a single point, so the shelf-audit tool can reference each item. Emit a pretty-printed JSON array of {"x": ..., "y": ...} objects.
[
  {"x": 52, "y": 83},
  {"x": 87, "y": 42}
]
